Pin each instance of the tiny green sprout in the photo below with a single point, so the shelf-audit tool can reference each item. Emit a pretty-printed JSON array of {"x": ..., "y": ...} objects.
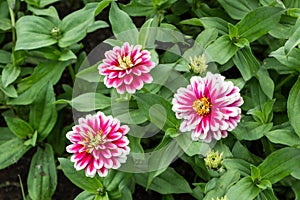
[
  {"x": 198, "y": 65},
  {"x": 214, "y": 160},
  {"x": 55, "y": 32}
]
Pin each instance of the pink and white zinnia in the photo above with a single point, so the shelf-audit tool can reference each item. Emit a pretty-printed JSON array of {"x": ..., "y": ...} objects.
[
  {"x": 98, "y": 144},
  {"x": 126, "y": 68},
  {"x": 209, "y": 107}
]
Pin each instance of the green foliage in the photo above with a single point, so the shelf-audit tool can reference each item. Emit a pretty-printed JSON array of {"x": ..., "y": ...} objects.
[
  {"x": 42, "y": 178},
  {"x": 50, "y": 77}
]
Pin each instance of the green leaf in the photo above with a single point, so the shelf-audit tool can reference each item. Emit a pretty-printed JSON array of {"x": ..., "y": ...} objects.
[
  {"x": 148, "y": 33},
  {"x": 85, "y": 195},
  {"x": 190, "y": 147},
  {"x": 11, "y": 151},
  {"x": 9, "y": 74},
  {"x": 240, "y": 151},
  {"x": 158, "y": 110},
  {"x": 43, "y": 112},
  {"x": 242, "y": 166},
  {"x": 139, "y": 8},
  {"x": 246, "y": 63},
  {"x": 206, "y": 37},
  {"x": 5, "y": 57},
  {"x": 251, "y": 130},
  {"x": 164, "y": 184},
  {"x": 266, "y": 83},
  {"x": 97, "y": 25},
  {"x": 122, "y": 25},
  {"x": 51, "y": 11},
  {"x": 255, "y": 173},
  {"x": 101, "y": 5},
  {"x": 283, "y": 136},
  {"x": 259, "y": 22},
  {"x": 296, "y": 189},
  {"x": 29, "y": 87},
  {"x": 90, "y": 74},
  {"x": 280, "y": 164},
  {"x": 291, "y": 61},
  {"x": 237, "y": 9},
  {"x": 34, "y": 32},
  {"x": 294, "y": 38},
  {"x": 293, "y": 106},
  {"x": 9, "y": 91},
  {"x": 79, "y": 178},
  {"x": 192, "y": 21},
  {"x": 243, "y": 189},
  {"x": 5, "y": 24},
  {"x": 223, "y": 183},
  {"x": 90, "y": 102},
  {"x": 42, "y": 177},
  {"x": 216, "y": 23},
  {"x": 6, "y": 135},
  {"x": 221, "y": 50},
  {"x": 19, "y": 127},
  {"x": 74, "y": 26}
]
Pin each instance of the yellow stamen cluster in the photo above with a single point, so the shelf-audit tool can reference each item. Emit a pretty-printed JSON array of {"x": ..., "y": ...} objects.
[
  {"x": 202, "y": 106},
  {"x": 92, "y": 141},
  {"x": 125, "y": 62}
]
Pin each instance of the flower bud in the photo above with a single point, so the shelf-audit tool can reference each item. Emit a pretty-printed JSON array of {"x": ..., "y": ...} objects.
[
  {"x": 198, "y": 65},
  {"x": 214, "y": 160}
]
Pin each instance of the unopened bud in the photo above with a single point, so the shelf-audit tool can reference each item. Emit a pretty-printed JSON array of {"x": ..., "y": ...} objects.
[
  {"x": 198, "y": 65},
  {"x": 55, "y": 32},
  {"x": 214, "y": 160}
]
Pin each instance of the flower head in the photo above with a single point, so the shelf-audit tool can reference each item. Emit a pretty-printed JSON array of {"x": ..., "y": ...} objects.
[
  {"x": 126, "y": 68},
  {"x": 209, "y": 107},
  {"x": 98, "y": 143}
]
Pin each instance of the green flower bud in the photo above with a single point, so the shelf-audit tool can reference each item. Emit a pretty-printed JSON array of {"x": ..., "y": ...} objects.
[
  {"x": 55, "y": 32},
  {"x": 214, "y": 160},
  {"x": 198, "y": 65}
]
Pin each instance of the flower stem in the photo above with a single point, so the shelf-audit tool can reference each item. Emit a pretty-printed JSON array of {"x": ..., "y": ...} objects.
[
  {"x": 13, "y": 23},
  {"x": 284, "y": 81}
]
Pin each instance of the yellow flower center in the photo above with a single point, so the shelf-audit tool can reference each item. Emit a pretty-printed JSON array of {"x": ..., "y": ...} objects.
[
  {"x": 92, "y": 141},
  {"x": 202, "y": 106},
  {"x": 125, "y": 62}
]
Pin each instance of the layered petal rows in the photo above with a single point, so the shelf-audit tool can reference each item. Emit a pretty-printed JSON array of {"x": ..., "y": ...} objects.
[
  {"x": 126, "y": 68},
  {"x": 209, "y": 107},
  {"x": 98, "y": 144}
]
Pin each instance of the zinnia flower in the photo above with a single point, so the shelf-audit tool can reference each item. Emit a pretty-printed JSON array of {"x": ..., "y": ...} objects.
[
  {"x": 126, "y": 68},
  {"x": 99, "y": 144},
  {"x": 209, "y": 107}
]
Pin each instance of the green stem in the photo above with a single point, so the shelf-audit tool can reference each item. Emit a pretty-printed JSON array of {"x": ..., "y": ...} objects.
[
  {"x": 72, "y": 73},
  {"x": 284, "y": 81},
  {"x": 22, "y": 187},
  {"x": 13, "y": 24}
]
